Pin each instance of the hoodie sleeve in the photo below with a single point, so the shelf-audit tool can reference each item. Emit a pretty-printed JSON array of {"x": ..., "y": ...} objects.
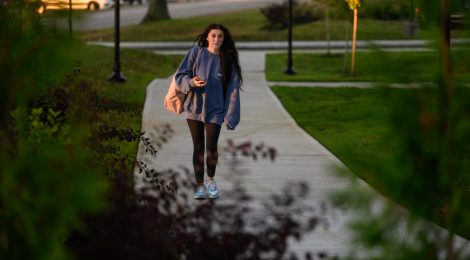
[
  {"x": 232, "y": 103},
  {"x": 184, "y": 73}
]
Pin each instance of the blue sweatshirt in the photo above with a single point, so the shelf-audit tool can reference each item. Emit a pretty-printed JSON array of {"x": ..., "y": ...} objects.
[{"x": 207, "y": 104}]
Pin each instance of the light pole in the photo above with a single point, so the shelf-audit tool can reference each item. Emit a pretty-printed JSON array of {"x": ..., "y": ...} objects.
[
  {"x": 289, "y": 70},
  {"x": 116, "y": 76}
]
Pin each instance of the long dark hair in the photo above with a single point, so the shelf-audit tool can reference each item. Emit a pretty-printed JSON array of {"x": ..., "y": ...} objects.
[{"x": 228, "y": 53}]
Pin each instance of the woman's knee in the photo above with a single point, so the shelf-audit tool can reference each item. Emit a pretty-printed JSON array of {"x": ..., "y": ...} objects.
[
  {"x": 212, "y": 155},
  {"x": 199, "y": 153},
  {"x": 199, "y": 148}
]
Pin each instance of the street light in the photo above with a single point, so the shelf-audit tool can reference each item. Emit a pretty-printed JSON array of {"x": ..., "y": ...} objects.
[
  {"x": 289, "y": 70},
  {"x": 116, "y": 76}
]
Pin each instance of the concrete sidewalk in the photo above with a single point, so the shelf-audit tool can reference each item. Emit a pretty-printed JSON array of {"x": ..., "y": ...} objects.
[
  {"x": 263, "y": 119},
  {"x": 282, "y": 45}
]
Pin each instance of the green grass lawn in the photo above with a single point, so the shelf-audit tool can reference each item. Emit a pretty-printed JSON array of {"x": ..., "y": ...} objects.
[
  {"x": 140, "y": 68},
  {"x": 246, "y": 26},
  {"x": 349, "y": 122},
  {"x": 356, "y": 126},
  {"x": 370, "y": 66}
]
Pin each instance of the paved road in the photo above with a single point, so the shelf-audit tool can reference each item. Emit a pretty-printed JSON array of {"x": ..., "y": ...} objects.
[{"x": 134, "y": 14}]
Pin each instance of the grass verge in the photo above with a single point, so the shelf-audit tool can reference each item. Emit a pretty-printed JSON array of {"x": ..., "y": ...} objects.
[
  {"x": 370, "y": 66},
  {"x": 139, "y": 67},
  {"x": 356, "y": 126},
  {"x": 247, "y": 26},
  {"x": 342, "y": 120}
]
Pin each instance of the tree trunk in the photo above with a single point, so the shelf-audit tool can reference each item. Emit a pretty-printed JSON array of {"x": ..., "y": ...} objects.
[
  {"x": 346, "y": 45},
  {"x": 157, "y": 10},
  {"x": 353, "y": 57},
  {"x": 327, "y": 24},
  {"x": 445, "y": 100}
]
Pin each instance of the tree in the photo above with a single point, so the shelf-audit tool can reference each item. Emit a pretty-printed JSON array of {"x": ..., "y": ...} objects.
[
  {"x": 157, "y": 10},
  {"x": 327, "y": 5},
  {"x": 331, "y": 5},
  {"x": 353, "y": 5},
  {"x": 340, "y": 10}
]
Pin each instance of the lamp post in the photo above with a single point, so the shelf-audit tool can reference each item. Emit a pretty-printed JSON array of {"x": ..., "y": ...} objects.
[
  {"x": 116, "y": 76},
  {"x": 289, "y": 70}
]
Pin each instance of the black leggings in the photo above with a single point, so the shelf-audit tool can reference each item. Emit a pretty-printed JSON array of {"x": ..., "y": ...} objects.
[{"x": 212, "y": 137}]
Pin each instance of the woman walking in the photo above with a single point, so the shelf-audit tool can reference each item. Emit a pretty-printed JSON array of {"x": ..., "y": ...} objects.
[{"x": 210, "y": 74}]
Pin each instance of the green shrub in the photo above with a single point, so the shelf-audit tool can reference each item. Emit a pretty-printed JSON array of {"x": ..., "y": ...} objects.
[
  {"x": 46, "y": 181},
  {"x": 386, "y": 12},
  {"x": 277, "y": 15}
]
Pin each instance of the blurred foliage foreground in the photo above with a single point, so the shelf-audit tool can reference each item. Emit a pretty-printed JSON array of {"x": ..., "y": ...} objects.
[
  {"x": 48, "y": 176},
  {"x": 425, "y": 171},
  {"x": 66, "y": 185},
  {"x": 430, "y": 138},
  {"x": 67, "y": 165},
  {"x": 427, "y": 166}
]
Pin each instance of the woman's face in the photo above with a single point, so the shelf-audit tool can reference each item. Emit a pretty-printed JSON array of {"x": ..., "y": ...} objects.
[{"x": 215, "y": 38}]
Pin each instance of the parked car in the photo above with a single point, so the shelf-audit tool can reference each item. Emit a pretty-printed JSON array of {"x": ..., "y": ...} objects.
[{"x": 90, "y": 5}]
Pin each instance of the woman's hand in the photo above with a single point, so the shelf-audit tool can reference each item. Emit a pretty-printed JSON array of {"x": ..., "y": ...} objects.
[{"x": 198, "y": 82}]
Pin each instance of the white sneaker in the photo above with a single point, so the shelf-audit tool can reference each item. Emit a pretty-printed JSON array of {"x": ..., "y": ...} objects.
[
  {"x": 200, "y": 192},
  {"x": 212, "y": 190}
]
